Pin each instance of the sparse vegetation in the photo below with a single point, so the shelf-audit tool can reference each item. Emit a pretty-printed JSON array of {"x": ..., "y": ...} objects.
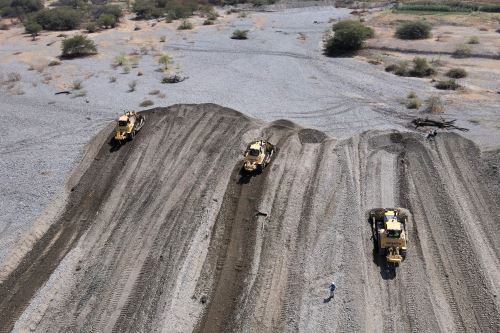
[
  {"x": 349, "y": 37},
  {"x": 112, "y": 79},
  {"x": 421, "y": 68},
  {"x": 240, "y": 34},
  {"x": 163, "y": 39},
  {"x": 462, "y": 51},
  {"x": 146, "y": 103},
  {"x": 4, "y": 26},
  {"x": 77, "y": 85},
  {"x": 447, "y": 85},
  {"x": 473, "y": 40},
  {"x": 208, "y": 22},
  {"x": 434, "y": 105},
  {"x": 456, "y": 73},
  {"x": 414, "y": 30},
  {"x": 126, "y": 69},
  {"x": 78, "y": 46},
  {"x": 185, "y": 25}
]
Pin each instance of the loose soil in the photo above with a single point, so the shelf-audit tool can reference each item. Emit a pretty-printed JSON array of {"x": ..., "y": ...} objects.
[{"x": 165, "y": 234}]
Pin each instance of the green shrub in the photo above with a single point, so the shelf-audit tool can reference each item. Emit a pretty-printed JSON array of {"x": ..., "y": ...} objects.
[
  {"x": 462, "y": 51},
  {"x": 391, "y": 68},
  {"x": 77, "y": 46},
  {"x": 185, "y": 25},
  {"x": 113, "y": 10},
  {"x": 456, "y": 73},
  {"x": 347, "y": 24},
  {"x": 144, "y": 9},
  {"x": 239, "y": 34},
  {"x": 411, "y": 94},
  {"x": 349, "y": 37},
  {"x": 180, "y": 9},
  {"x": 447, "y": 85},
  {"x": 106, "y": 21},
  {"x": 91, "y": 27},
  {"x": 59, "y": 18},
  {"x": 473, "y": 40},
  {"x": 421, "y": 68},
  {"x": 414, "y": 30},
  {"x": 32, "y": 28}
]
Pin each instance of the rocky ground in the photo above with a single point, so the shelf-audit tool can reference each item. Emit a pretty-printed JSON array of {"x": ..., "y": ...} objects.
[{"x": 164, "y": 235}]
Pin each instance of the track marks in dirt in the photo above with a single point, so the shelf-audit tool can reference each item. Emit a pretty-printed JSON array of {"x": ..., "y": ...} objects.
[{"x": 169, "y": 237}]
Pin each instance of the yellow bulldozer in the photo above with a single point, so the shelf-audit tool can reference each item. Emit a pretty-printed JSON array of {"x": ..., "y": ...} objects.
[
  {"x": 389, "y": 233},
  {"x": 128, "y": 125},
  {"x": 257, "y": 155}
]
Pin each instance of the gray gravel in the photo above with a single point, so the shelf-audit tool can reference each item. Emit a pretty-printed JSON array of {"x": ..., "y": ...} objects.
[{"x": 272, "y": 75}]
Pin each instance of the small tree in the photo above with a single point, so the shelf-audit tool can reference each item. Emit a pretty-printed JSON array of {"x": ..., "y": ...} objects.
[
  {"x": 33, "y": 29},
  {"x": 106, "y": 21},
  {"x": 414, "y": 30},
  {"x": 78, "y": 46},
  {"x": 164, "y": 60}
]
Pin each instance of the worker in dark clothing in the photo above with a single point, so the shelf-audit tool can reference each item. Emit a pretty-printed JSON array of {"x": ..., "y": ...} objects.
[{"x": 431, "y": 135}]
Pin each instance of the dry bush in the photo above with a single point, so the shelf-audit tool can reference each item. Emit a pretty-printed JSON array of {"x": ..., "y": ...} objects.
[
  {"x": 80, "y": 94},
  {"x": 146, "y": 102},
  {"x": 54, "y": 63},
  {"x": 413, "y": 103},
  {"x": 434, "y": 105},
  {"x": 456, "y": 73},
  {"x": 163, "y": 39},
  {"x": 462, "y": 51},
  {"x": 77, "y": 84},
  {"x": 473, "y": 40},
  {"x": 120, "y": 60},
  {"x": 154, "y": 92},
  {"x": 185, "y": 25},
  {"x": 132, "y": 85},
  {"x": 112, "y": 79}
]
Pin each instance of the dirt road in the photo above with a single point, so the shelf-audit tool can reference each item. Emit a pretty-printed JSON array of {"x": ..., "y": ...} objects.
[{"x": 164, "y": 234}]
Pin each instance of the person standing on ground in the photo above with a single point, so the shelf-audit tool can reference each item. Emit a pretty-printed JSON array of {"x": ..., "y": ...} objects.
[{"x": 332, "y": 288}]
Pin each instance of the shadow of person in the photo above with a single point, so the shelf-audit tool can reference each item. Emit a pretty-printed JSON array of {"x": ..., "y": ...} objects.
[
  {"x": 245, "y": 176},
  {"x": 328, "y": 299},
  {"x": 387, "y": 271}
]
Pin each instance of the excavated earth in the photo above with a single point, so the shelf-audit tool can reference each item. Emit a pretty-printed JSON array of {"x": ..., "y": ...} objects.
[{"x": 165, "y": 234}]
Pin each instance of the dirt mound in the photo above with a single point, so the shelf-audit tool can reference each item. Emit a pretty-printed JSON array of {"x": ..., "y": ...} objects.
[{"x": 162, "y": 235}]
